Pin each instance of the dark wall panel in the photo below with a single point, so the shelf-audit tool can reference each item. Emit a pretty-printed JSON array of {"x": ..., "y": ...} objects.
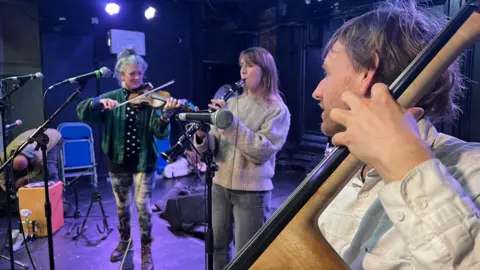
[
  {"x": 290, "y": 59},
  {"x": 65, "y": 57},
  {"x": 19, "y": 55},
  {"x": 314, "y": 75}
]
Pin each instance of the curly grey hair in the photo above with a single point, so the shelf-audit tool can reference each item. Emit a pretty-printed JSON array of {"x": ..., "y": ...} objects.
[{"x": 128, "y": 56}]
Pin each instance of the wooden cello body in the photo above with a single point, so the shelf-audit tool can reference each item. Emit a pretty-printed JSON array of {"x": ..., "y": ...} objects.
[{"x": 290, "y": 239}]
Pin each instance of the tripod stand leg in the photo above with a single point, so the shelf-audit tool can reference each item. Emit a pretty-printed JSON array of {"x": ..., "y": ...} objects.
[
  {"x": 74, "y": 223},
  {"x": 106, "y": 227},
  {"x": 83, "y": 229},
  {"x": 96, "y": 197},
  {"x": 15, "y": 262},
  {"x": 77, "y": 213},
  {"x": 67, "y": 202}
]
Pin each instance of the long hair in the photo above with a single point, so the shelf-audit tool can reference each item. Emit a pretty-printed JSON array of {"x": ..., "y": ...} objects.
[
  {"x": 269, "y": 83},
  {"x": 397, "y": 33}
]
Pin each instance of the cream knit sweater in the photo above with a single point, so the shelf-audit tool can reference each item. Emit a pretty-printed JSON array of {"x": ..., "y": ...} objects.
[{"x": 245, "y": 151}]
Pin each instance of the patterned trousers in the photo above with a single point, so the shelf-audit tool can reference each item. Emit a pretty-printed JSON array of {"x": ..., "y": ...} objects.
[{"x": 143, "y": 185}]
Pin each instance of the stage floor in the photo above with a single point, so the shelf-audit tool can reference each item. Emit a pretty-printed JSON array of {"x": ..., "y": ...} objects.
[{"x": 170, "y": 250}]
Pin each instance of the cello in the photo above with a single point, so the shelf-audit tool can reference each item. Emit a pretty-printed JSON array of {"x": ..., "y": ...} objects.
[{"x": 290, "y": 239}]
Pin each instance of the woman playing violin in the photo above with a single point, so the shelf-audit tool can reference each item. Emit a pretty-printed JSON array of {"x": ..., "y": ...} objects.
[{"x": 128, "y": 142}]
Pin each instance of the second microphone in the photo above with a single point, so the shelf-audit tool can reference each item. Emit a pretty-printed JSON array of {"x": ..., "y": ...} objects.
[{"x": 221, "y": 119}]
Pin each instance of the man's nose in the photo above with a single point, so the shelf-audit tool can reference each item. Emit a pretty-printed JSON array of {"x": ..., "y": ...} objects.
[{"x": 318, "y": 92}]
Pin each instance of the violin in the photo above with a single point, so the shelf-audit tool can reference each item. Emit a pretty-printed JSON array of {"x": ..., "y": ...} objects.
[{"x": 148, "y": 96}]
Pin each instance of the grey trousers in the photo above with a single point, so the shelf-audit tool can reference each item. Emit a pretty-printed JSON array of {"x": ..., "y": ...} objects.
[{"x": 246, "y": 210}]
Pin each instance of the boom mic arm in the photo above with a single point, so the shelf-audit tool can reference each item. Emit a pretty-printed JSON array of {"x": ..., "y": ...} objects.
[
  {"x": 103, "y": 72},
  {"x": 171, "y": 154}
]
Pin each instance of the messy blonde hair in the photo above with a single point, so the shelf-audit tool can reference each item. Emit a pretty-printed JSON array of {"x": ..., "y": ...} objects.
[{"x": 397, "y": 33}]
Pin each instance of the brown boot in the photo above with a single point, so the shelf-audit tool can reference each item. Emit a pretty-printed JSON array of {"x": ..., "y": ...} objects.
[
  {"x": 119, "y": 252},
  {"x": 147, "y": 262}
]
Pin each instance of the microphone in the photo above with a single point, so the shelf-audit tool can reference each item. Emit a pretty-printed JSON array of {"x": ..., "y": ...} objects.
[
  {"x": 101, "y": 73},
  {"x": 221, "y": 118},
  {"x": 35, "y": 76},
  {"x": 15, "y": 124}
]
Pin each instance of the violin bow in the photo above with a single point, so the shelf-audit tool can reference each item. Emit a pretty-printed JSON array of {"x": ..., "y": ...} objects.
[{"x": 146, "y": 93}]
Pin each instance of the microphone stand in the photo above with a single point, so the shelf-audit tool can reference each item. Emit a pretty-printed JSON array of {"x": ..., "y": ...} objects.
[
  {"x": 42, "y": 141},
  {"x": 212, "y": 167},
  {"x": 210, "y": 174},
  {"x": 8, "y": 185}
]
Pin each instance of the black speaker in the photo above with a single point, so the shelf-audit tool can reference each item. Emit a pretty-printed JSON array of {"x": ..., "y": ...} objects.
[{"x": 183, "y": 207}]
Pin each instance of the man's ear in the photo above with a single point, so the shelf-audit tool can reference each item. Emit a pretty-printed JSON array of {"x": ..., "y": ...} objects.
[{"x": 368, "y": 77}]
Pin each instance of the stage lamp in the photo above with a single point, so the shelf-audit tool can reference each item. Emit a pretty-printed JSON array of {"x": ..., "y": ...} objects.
[
  {"x": 150, "y": 13},
  {"x": 112, "y": 8}
]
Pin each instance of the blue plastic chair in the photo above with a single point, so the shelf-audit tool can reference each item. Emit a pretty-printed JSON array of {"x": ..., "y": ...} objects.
[{"x": 77, "y": 152}]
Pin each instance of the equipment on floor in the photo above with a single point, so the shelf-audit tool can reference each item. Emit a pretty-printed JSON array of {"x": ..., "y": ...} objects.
[
  {"x": 96, "y": 197},
  {"x": 32, "y": 198},
  {"x": 183, "y": 207},
  {"x": 30, "y": 226},
  {"x": 17, "y": 239}
]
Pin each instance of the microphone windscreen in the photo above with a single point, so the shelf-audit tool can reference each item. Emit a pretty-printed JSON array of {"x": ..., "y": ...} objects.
[
  {"x": 106, "y": 72},
  {"x": 222, "y": 118}
]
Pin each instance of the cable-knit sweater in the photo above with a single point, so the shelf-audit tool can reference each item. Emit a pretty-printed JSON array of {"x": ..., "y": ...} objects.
[{"x": 246, "y": 150}]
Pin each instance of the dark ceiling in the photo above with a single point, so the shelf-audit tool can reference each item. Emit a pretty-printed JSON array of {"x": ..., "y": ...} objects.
[{"x": 248, "y": 15}]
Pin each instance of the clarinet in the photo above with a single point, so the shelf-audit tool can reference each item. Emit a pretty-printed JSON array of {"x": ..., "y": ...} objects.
[{"x": 171, "y": 155}]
